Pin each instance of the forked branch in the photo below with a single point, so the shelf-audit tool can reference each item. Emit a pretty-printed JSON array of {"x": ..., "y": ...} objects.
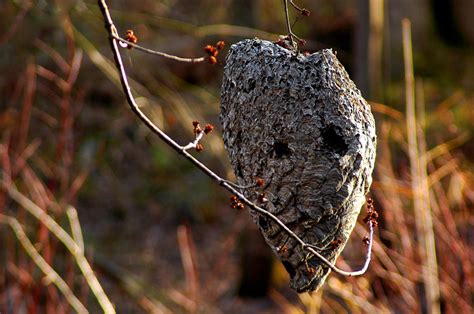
[{"x": 292, "y": 36}]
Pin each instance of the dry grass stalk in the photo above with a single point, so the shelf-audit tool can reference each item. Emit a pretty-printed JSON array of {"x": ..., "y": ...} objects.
[
  {"x": 75, "y": 226},
  {"x": 421, "y": 198},
  {"x": 68, "y": 242},
  {"x": 49, "y": 272},
  {"x": 188, "y": 259}
]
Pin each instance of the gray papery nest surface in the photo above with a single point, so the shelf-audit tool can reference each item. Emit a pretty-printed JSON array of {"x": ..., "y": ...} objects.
[{"x": 298, "y": 122}]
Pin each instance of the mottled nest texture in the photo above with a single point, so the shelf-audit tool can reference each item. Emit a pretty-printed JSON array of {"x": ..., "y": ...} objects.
[{"x": 298, "y": 122}]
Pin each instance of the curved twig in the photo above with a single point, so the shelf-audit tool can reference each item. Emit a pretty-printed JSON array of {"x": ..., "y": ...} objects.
[
  {"x": 288, "y": 26},
  {"x": 182, "y": 150}
]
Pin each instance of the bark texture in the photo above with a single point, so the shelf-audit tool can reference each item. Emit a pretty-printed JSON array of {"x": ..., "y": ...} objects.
[{"x": 300, "y": 123}]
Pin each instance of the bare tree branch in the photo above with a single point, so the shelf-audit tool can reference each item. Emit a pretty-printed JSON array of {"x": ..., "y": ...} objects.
[
  {"x": 182, "y": 150},
  {"x": 288, "y": 25}
]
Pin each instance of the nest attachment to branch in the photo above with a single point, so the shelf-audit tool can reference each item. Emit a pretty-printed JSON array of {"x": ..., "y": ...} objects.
[{"x": 299, "y": 123}]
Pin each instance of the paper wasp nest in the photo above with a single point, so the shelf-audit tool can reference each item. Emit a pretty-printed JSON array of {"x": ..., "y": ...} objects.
[{"x": 299, "y": 123}]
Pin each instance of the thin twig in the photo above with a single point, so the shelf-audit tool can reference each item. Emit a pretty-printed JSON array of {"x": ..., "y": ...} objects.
[
  {"x": 295, "y": 6},
  {"x": 288, "y": 25},
  {"x": 68, "y": 242},
  {"x": 195, "y": 143},
  {"x": 112, "y": 31},
  {"x": 240, "y": 187},
  {"x": 159, "y": 53},
  {"x": 49, "y": 272}
]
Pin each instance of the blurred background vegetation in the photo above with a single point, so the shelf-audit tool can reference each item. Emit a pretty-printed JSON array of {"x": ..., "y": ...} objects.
[{"x": 159, "y": 234}]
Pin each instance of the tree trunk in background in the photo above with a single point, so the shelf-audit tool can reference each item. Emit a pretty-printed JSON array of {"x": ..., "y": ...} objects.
[
  {"x": 255, "y": 256},
  {"x": 255, "y": 263},
  {"x": 369, "y": 48},
  {"x": 361, "y": 48},
  {"x": 243, "y": 12}
]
